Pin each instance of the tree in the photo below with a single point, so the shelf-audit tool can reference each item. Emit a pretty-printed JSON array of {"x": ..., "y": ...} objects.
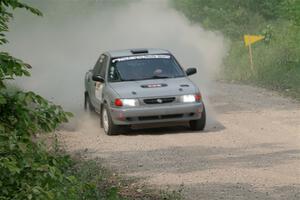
[
  {"x": 27, "y": 171},
  {"x": 291, "y": 10}
]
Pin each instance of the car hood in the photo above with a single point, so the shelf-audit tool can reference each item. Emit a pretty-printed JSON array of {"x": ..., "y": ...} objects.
[{"x": 154, "y": 88}]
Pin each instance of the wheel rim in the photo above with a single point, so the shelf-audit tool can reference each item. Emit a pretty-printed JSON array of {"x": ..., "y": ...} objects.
[{"x": 105, "y": 120}]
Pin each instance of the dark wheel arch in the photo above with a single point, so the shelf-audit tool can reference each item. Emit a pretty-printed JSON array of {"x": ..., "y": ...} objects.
[{"x": 87, "y": 103}]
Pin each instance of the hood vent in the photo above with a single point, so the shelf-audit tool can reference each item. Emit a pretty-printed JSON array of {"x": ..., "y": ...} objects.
[{"x": 139, "y": 51}]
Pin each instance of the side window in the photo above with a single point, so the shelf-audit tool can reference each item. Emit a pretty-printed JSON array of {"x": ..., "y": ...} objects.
[
  {"x": 97, "y": 66},
  {"x": 100, "y": 67},
  {"x": 102, "y": 71}
]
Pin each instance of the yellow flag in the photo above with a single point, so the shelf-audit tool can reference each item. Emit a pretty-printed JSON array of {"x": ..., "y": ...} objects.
[{"x": 250, "y": 39}]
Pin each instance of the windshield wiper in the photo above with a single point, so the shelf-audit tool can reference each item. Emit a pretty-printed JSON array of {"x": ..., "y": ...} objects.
[
  {"x": 130, "y": 79},
  {"x": 161, "y": 77}
]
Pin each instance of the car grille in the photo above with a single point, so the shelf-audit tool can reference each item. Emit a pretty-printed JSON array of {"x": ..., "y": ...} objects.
[
  {"x": 159, "y": 100},
  {"x": 174, "y": 116}
]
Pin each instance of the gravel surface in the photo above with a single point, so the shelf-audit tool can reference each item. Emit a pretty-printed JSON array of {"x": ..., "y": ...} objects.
[{"x": 250, "y": 149}]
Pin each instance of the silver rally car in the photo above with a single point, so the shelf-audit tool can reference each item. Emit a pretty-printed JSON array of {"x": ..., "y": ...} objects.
[{"x": 141, "y": 86}]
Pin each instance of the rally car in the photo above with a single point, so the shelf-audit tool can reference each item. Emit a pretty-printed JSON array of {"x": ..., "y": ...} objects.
[{"x": 141, "y": 86}]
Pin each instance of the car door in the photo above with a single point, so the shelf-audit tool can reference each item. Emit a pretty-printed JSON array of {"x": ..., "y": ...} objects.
[{"x": 97, "y": 87}]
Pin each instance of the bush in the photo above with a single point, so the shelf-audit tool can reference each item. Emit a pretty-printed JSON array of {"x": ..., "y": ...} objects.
[{"x": 27, "y": 170}]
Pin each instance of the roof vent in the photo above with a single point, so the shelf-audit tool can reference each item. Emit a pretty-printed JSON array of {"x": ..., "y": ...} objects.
[{"x": 139, "y": 51}]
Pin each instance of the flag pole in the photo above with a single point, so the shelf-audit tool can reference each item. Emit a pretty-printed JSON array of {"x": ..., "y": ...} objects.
[
  {"x": 251, "y": 57},
  {"x": 249, "y": 40}
]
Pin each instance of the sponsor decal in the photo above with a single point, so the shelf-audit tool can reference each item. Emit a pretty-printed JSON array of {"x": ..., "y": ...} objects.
[
  {"x": 141, "y": 57},
  {"x": 154, "y": 85}
]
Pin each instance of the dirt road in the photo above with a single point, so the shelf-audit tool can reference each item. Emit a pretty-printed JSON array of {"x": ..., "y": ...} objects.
[{"x": 250, "y": 150}]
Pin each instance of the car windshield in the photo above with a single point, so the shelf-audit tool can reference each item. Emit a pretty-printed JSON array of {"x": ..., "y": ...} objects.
[{"x": 136, "y": 68}]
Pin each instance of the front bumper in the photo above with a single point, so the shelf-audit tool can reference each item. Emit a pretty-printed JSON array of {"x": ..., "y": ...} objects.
[{"x": 157, "y": 113}]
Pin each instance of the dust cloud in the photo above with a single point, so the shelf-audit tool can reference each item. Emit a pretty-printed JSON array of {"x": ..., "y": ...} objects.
[{"x": 66, "y": 42}]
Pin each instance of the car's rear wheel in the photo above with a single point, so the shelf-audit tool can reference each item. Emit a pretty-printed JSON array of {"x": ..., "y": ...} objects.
[
  {"x": 199, "y": 125},
  {"x": 108, "y": 125},
  {"x": 87, "y": 103}
]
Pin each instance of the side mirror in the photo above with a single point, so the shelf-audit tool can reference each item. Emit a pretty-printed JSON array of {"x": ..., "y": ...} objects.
[
  {"x": 191, "y": 71},
  {"x": 98, "y": 78}
]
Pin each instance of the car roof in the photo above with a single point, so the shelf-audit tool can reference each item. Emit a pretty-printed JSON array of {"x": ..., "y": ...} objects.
[{"x": 130, "y": 52}]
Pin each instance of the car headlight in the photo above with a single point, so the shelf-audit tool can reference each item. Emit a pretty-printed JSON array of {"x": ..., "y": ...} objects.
[
  {"x": 126, "y": 102},
  {"x": 191, "y": 98}
]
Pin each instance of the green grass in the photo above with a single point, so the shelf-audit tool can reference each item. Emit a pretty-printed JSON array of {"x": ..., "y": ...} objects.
[{"x": 276, "y": 64}]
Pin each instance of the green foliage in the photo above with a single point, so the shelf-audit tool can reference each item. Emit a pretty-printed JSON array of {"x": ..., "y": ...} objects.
[
  {"x": 290, "y": 9},
  {"x": 277, "y": 63},
  {"x": 234, "y": 18},
  {"x": 276, "y": 59},
  {"x": 27, "y": 170},
  {"x": 6, "y": 15}
]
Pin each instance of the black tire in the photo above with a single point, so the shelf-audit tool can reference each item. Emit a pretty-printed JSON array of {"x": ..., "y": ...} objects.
[
  {"x": 199, "y": 125},
  {"x": 87, "y": 103},
  {"x": 110, "y": 128}
]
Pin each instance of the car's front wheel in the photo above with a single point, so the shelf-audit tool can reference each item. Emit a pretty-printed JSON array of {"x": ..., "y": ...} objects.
[
  {"x": 109, "y": 127},
  {"x": 199, "y": 125}
]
